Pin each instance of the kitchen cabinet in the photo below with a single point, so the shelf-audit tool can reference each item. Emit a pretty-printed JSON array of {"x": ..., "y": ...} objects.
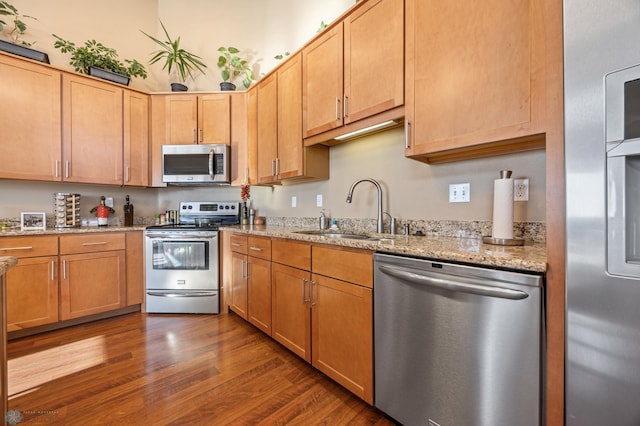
[
  {"x": 354, "y": 70},
  {"x": 251, "y": 270},
  {"x": 91, "y": 131},
  {"x": 31, "y": 124},
  {"x": 290, "y": 282},
  {"x": 281, "y": 154},
  {"x": 136, "y": 138},
  {"x": 32, "y": 285},
  {"x": 93, "y": 276},
  {"x": 475, "y": 78},
  {"x": 239, "y": 282},
  {"x": 342, "y": 317},
  {"x": 134, "y": 241}
]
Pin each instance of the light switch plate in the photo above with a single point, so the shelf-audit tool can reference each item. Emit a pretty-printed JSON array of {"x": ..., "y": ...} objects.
[
  {"x": 319, "y": 200},
  {"x": 459, "y": 193},
  {"x": 294, "y": 201},
  {"x": 108, "y": 201}
]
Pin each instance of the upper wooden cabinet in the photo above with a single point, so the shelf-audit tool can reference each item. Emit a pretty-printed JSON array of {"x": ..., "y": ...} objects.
[
  {"x": 136, "y": 138},
  {"x": 30, "y": 123},
  {"x": 194, "y": 119},
  {"x": 355, "y": 70},
  {"x": 281, "y": 154},
  {"x": 475, "y": 78},
  {"x": 92, "y": 117}
]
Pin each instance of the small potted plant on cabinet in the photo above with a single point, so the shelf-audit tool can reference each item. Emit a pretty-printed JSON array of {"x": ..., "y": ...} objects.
[
  {"x": 97, "y": 60},
  {"x": 233, "y": 66},
  {"x": 179, "y": 62},
  {"x": 17, "y": 45}
]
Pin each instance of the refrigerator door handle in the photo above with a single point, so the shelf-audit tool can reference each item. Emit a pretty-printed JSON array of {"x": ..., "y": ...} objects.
[
  {"x": 473, "y": 287},
  {"x": 178, "y": 294}
]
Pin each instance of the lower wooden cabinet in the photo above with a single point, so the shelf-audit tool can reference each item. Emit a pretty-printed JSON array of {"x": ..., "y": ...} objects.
[
  {"x": 92, "y": 283},
  {"x": 135, "y": 267},
  {"x": 239, "y": 282},
  {"x": 259, "y": 292},
  {"x": 342, "y": 334},
  {"x": 32, "y": 285},
  {"x": 32, "y": 293}
]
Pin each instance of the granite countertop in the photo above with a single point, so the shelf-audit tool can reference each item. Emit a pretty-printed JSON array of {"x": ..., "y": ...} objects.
[
  {"x": 78, "y": 230},
  {"x": 530, "y": 257},
  {"x": 6, "y": 262}
]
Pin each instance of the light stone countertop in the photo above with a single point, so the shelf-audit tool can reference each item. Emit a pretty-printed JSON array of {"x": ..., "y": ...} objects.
[
  {"x": 65, "y": 231},
  {"x": 531, "y": 257},
  {"x": 6, "y": 262}
]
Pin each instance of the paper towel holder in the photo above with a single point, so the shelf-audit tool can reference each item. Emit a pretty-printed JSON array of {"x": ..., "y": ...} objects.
[{"x": 504, "y": 174}]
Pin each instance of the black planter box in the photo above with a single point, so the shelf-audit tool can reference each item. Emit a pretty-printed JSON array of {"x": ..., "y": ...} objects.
[
  {"x": 108, "y": 75},
  {"x": 25, "y": 52}
]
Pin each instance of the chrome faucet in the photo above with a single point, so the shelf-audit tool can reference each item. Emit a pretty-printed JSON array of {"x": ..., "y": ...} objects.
[{"x": 373, "y": 181}]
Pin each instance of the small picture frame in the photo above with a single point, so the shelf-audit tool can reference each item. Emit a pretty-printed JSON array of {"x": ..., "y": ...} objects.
[{"x": 33, "y": 221}]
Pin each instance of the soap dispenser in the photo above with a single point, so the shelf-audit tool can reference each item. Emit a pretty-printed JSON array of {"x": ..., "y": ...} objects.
[{"x": 324, "y": 222}]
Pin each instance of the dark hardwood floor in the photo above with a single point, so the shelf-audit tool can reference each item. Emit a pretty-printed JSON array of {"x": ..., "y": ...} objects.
[{"x": 141, "y": 369}]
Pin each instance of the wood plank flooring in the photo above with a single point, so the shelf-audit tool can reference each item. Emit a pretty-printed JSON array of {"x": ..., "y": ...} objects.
[{"x": 141, "y": 369}]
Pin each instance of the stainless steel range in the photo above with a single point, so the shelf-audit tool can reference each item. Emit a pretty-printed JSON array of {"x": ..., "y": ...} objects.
[{"x": 181, "y": 259}]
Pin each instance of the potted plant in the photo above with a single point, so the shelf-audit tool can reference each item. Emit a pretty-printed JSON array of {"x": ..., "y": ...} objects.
[
  {"x": 17, "y": 45},
  {"x": 97, "y": 60},
  {"x": 233, "y": 66},
  {"x": 179, "y": 63}
]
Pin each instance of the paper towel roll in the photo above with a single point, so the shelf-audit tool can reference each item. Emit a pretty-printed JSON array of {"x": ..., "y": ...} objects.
[{"x": 503, "y": 209}]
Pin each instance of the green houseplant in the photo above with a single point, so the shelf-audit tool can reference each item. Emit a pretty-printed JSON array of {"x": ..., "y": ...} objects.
[
  {"x": 233, "y": 66},
  {"x": 95, "y": 58},
  {"x": 176, "y": 59},
  {"x": 15, "y": 29}
]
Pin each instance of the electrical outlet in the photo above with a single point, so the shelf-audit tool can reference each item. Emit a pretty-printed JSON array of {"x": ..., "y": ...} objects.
[
  {"x": 521, "y": 190},
  {"x": 108, "y": 201},
  {"x": 319, "y": 200},
  {"x": 459, "y": 193},
  {"x": 294, "y": 201}
]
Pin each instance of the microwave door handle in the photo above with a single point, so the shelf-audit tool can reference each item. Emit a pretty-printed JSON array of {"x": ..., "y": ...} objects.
[{"x": 212, "y": 171}]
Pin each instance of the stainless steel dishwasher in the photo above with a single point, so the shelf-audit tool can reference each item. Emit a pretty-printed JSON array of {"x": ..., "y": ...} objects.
[{"x": 457, "y": 345}]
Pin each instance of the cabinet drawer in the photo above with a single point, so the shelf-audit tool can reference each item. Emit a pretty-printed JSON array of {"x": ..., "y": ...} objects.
[
  {"x": 89, "y": 243},
  {"x": 22, "y": 247},
  {"x": 346, "y": 264},
  {"x": 259, "y": 247},
  {"x": 239, "y": 243},
  {"x": 291, "y": 253}
]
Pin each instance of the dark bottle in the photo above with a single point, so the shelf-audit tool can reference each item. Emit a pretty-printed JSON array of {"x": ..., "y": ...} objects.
[{"x": 128, "y": 213}]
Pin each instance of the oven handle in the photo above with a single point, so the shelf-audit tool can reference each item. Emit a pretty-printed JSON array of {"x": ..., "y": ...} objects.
[
  {"x": 195, "y": 235},
  {"x": 190, "y": 294}
]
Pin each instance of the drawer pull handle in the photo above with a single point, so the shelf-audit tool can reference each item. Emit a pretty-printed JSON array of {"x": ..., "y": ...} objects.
[
  {"x": 16, "y": 248},
  {"x": 255, "y": 249},
  {"x": 236, "y": 245},
  {"x": 97, "y": 243}
]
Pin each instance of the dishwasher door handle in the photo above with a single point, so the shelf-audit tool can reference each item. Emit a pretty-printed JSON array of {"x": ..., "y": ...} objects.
[{"x": 448, "y": 284}]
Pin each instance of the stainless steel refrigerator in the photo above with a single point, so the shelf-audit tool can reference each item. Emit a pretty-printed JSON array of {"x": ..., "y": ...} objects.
[{"x": 602, "y": 146}]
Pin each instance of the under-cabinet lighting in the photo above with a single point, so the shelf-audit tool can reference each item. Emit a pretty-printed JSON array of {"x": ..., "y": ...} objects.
[{"x": 366, "y": 130}]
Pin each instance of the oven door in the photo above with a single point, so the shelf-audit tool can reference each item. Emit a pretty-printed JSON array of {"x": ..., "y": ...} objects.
[{"x": 180, "y": 260}]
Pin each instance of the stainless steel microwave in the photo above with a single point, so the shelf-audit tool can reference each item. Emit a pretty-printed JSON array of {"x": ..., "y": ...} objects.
[{"x": 197, "y": 164}]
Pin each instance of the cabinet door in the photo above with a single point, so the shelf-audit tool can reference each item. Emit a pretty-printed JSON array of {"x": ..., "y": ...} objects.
[
  {"x": 239, "y": 295},
  {"x": 135, "y": 268},
  {"x": 267, "y": 128},
  {"x": 91, "y": 131},
  {"x": 136, "y": 138},
  {"x": 474, "y": 72},
  {"x": 260, "y": 293},
  {"x": 373, "y": 59},
  {"x": 31, "y": 135},
  {"x": 291, "y": 316},
  {"x": 32, "y": 293},
  {"x": 322, "y": 83},
  {"x": 92, "y": 283},
  {"x": 214, "y": 120},
  {"x": 290, "y": 161},
  {"x": 181, "y": 119},
  {"x": 342, "y": 334}
]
